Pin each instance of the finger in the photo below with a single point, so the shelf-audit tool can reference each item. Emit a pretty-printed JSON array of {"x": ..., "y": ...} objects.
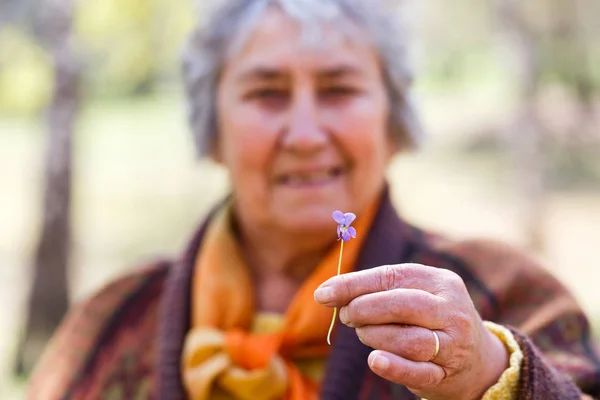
[
  {"x": 398, "y": 306},
  {"x": 417, "y": 376},
  {"x": 341, "y": 289},
  {"x": 410, "y": 342}
]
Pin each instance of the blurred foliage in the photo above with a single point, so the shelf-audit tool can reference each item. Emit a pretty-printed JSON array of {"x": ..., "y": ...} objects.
[
  {"x": 130, "y": 45},
  {"x": 116, "y": 40},
  {"x": 126, "y": 46},
  {"x": 26, "y": 77}
]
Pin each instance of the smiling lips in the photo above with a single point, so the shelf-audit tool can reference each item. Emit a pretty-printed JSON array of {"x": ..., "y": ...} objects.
[{"x": 310, "y": 177}]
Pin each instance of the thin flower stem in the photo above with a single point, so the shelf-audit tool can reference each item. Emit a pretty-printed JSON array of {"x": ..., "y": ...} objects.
[{"x": 339, "y": 268}]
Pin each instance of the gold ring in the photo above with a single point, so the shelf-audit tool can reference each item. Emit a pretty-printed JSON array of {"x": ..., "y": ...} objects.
[{"x": 437, "y": 346}]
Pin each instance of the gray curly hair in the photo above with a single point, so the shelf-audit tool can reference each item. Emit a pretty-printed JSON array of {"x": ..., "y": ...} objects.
[{"x": 222, "y": 31}]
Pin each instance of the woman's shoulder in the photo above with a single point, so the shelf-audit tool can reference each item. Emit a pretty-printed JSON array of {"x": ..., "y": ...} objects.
[
  {"x": 127, "y": 284},
  {"x": 123, "y": 306},
  {"x": 486, "y": 255},
  {"x": 128, "y": 287},
  {"x": 502, "y": 265},
  {"x": 502, "y": 276}
]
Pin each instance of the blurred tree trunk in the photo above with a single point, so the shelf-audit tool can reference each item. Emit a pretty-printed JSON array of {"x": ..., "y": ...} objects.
[
  {"x": 48, "y": 301},
  {"x": 574, "y": 65},
  {"x": 526, "y": 138}
]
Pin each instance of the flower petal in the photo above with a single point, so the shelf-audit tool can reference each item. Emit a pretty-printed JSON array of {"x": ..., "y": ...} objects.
[
  {"x": 346, "y": 236},
  {"x": 349, "y": 218},
  {"x": 352, "y": 231},
  {"x": 339, "y": 231},
  {"x": 339, "y": 217}
]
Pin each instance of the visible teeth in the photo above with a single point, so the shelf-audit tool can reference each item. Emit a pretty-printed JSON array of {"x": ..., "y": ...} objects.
[
  {"x": 304, "y": 178},
  {"x": 308, "y": 178}
]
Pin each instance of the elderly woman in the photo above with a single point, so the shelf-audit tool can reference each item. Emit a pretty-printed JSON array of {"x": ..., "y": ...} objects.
[{"x": 304, "y": 103}]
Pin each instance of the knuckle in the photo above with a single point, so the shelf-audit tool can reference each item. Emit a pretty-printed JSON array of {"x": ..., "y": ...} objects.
[
  {"x": 434, "y": 308},
  {"x": 463, "y": 322},
  {"x": 455, "y": 280},
  {"x": 388, "y": 277}
]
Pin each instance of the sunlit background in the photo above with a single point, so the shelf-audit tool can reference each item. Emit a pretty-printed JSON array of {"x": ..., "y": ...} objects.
[{"x": 509, "y": 96}]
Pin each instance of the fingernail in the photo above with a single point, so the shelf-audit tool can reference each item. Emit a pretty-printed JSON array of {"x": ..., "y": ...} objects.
[
  {"x": 379, "y": 363},
  {"x": 324, "y": 295},
  {"x": 344, "y": 317}
]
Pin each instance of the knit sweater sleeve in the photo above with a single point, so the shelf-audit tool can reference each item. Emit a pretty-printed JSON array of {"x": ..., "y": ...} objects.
[
  {"x": 506, "y": 387},
  {"x": 560, "y": 358}
]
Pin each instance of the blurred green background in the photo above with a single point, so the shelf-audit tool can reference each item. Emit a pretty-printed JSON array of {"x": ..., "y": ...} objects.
[{"x": 493, "y": 77}]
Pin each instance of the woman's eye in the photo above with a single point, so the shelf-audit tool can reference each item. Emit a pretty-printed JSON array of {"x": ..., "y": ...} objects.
[
  {"x": 269, "y": 97},
  {"x": 267, "y": 94},
  {"x": 338, "y": 92}
]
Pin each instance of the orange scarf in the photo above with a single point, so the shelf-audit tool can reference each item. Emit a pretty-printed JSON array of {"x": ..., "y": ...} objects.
[{"x": 221, "y": 358}]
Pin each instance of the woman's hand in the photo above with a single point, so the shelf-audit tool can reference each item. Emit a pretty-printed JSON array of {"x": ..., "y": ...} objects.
[{"x": 395, "y": 310}]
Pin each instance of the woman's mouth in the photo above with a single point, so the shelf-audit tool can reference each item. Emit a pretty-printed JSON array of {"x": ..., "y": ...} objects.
[{"x": 313, "y": 177}]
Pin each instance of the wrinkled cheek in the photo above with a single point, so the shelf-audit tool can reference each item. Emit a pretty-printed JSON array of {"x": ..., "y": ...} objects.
[{"x": 250, "y": 178}]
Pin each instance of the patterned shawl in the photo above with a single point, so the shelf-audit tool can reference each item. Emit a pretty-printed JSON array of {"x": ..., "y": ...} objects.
[{"x": 126, "y": 341}]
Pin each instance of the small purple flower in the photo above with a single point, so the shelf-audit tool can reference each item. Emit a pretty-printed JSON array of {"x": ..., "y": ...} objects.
[{"x": 344, "y": 230}]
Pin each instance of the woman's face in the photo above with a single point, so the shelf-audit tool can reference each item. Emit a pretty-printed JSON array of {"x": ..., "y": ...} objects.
[{"x": 302, "y": 128}]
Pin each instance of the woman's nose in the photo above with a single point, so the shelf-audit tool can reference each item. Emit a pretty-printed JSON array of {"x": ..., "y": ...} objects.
[{"x": 303, "y": 132}]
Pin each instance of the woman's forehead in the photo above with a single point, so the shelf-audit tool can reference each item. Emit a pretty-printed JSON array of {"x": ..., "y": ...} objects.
[{"x": 279, "y": 42}]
